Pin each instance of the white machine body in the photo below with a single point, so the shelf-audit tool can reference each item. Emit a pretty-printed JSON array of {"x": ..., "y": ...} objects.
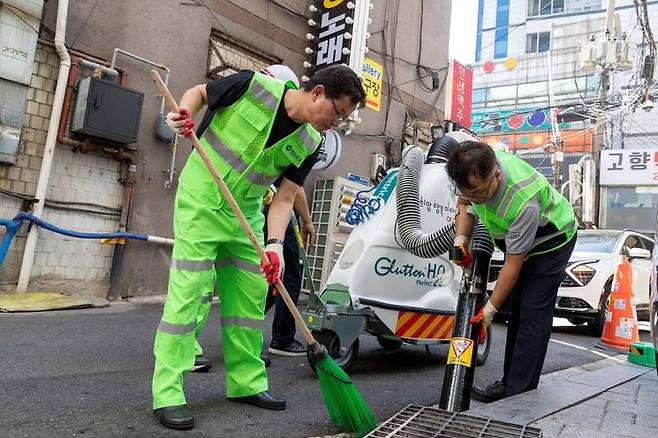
[{"x": 382, "y": 275}]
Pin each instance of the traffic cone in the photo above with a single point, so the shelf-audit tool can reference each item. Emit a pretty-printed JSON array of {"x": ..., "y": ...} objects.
[{"x": 620, "y": 329}]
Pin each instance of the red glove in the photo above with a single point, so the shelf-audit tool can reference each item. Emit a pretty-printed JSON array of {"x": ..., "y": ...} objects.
[
  {"x": 180, "y": 122},
  {"x": 273, "y": 270},
  {"x": 460, "y": 254},
  {"x": 485, "y": 316}
]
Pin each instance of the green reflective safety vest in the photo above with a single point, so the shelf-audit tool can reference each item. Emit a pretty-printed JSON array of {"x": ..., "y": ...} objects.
[
  {"x": 522, "y": 184},
  {"x": 238, "y": 134}
]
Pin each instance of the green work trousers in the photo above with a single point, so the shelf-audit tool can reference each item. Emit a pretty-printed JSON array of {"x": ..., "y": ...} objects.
[{"x": 209, "y": 244}]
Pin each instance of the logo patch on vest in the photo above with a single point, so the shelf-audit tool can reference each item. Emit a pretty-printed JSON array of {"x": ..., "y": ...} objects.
[
  {"x": 513, "y": 234},
  {"x": 295, "y": 153}
]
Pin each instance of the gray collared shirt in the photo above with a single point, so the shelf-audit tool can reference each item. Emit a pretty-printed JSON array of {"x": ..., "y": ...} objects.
[{"x": 522, "y": 231}]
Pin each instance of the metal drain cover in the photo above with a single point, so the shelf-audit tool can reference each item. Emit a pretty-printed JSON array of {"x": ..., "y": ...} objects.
[{"x": 421, "y": 422}]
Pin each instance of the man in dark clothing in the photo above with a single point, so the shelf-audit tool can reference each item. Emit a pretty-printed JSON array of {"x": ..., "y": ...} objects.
[
  {"x": 283, "y": 327},
  {"x": 536, "y": 227}
]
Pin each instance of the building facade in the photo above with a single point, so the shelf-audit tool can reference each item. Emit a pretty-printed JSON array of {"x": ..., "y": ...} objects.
[
  {"x": 527, "y": 50},
  {"x": 101, "y": 187}
]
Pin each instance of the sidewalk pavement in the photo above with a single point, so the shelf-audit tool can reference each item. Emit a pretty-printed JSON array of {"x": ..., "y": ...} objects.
[
  {"x": 609, "y": 398},
  {"x": 626, "y": 410},
  {"x": 604, "y": 399}
]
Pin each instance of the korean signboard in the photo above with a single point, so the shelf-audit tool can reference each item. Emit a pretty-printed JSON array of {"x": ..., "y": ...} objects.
[
  {"x": 331, "y": 34},
  {"x": 372, "y": 82},
  {"x": 459, "y": 94},
  {"x": 628, "y": 167}
]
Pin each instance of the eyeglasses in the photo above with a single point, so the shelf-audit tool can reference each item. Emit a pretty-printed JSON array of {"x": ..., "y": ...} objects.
[
  {"x": 340, "y": 118},
  {"x": 479, "y": 194}
]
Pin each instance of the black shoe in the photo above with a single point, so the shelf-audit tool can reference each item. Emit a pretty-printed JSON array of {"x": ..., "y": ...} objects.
[
  {"x": 495, "y": 391},
  {"x": 295, "y": 348},
  {"x": 265, "y": 358},
  {"x": 201, "y": 364},
  {"x": 175, "y": 417},
  {"x": 262, "y": 400}
]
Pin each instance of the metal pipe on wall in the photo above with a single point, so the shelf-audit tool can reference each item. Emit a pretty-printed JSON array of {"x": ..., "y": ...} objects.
[
  {"x": 64, "y": 94},
  {"x": 128, "y": 182},
  {"x": 116, "y": 270},
  {"x": 122, "y": 71},
  {"x": 172, "y": 165},
  {"x": 146, "y": 61},
  {"x": 51, "y": 141},
  {"x": 98, "y": 149}
]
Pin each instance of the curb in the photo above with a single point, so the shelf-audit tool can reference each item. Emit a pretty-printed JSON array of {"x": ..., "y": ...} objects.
[{"x": 571, "y": 387}]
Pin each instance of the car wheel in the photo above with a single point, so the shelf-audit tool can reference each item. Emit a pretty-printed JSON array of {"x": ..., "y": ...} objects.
[{"x": 595, "y": 327}]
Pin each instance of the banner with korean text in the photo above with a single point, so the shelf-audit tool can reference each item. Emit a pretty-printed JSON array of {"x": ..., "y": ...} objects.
[
  {"x": 629, "y": 167},
  {"x": 459, "y": 94}
]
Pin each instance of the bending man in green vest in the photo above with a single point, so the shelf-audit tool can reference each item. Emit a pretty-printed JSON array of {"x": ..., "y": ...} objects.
[
  {"x": 536, "y": 228},
  {"x": 257, "y": 128}
]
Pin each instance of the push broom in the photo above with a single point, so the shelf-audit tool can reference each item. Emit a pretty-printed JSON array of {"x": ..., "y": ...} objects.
[{"x": 344, "y": 403}]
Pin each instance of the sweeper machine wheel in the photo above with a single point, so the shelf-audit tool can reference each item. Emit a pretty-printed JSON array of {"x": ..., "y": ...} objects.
[
  {"x": 330, "y": 340},
  {"x": 389, "y": 344}
]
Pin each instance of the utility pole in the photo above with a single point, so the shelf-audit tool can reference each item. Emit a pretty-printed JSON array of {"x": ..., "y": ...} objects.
[
  {"x": 558, "y": 155},
  {"x": 599, "y": 127}
]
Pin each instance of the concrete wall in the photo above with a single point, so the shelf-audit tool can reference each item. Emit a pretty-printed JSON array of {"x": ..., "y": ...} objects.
[
  {"x": 175, "y": 34},
  {"x": 78, "y": 182}
]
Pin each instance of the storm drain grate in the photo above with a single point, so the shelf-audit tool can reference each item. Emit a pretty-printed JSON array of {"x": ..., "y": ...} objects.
[{"x": 421, "y": 422}]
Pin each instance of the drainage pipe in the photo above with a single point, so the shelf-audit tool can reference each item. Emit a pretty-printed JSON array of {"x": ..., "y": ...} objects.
[
  {"x": 116, "y": 270},
  {"x": 51, "y": 140}
]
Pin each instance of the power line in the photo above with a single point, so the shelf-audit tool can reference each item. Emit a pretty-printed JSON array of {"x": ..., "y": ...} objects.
[
  {"x": 510, "y": 30},
  {"x": 287, "y": 7},
  {"x": 11, "y": 9}
]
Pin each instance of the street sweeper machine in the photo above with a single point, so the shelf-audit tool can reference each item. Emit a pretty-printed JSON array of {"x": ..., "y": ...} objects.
[{"x": 394, "y": 280}]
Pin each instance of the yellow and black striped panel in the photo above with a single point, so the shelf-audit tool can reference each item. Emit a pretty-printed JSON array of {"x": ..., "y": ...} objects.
[{"x": 419, "y": 325}]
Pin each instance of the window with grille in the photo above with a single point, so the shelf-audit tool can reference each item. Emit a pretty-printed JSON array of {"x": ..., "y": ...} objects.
[{"x": 227, "y": 56}]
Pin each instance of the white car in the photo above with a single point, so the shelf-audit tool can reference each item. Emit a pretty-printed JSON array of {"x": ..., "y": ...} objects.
[
  {"x": 653, "y": 300},
  {"x": 583, "y": 294}
]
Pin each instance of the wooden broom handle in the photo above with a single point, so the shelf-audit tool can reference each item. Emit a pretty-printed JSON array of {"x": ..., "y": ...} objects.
[{"x": 173, "y": 106}]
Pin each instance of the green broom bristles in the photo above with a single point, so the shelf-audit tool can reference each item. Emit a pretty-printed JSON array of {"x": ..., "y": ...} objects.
[{"x": 345, "y": 405}]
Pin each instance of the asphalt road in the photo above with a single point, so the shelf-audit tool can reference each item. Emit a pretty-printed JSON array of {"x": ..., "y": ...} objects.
[{"x": 88, "y": 372}]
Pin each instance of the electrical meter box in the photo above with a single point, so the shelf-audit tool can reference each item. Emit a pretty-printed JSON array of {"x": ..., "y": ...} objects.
[{"x": 106, "y": 110}]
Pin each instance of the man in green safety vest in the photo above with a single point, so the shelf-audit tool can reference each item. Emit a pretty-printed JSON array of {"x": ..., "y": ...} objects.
[
  {"x": 283, "y": 326},
  {"x": 256, "y": 129},
  {"x": 536, "y": 228}
]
